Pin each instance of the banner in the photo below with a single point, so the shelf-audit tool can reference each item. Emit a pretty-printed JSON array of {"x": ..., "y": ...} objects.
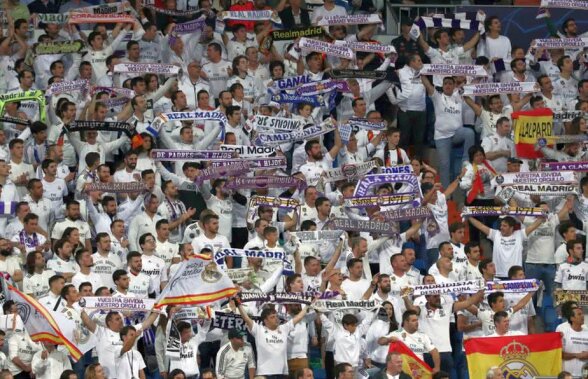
[
  {"x": 285, "y": 98},
  {"x": 105, "y": 8},
  {"x": 564, "y": 166},
  {"x": 484, "y": 89},
  {"x": 444, "y": 288},
  {"x": 354, "y": 19},
  {"x": 265, "y": 182},
  {"x": 196, "y": 115},
  {"x": 228, "y": 321},
  {"x": 567, "y": 115},
  {"x": 8, "y": 208},
  {"x": 190, "y": 155},
  {"x": 190, "y": 26},
  {"x": 220, "y": 255},
  {"x": 248, "y": 15},
  {"x": 277, "y": 123},
  {"x": 364, "y": 123},
  {"x": 377, "y": 179},
  {"x": 502, "y": 211},
  {"x": 411, "y": 364},
  {"x": 402, "y": 169},
  {"x": 348, "y": 171},
  {"x": 34, "y": 95},
  {"x": 368, "y": 47},
  {"x": 580, "y": 297},
  {"x": 276, "y": 203},
  {"x": 280, "y": 138},
  {"x": 194, "y": 313},
  {"x": 528, "y": 127},
  {"x": 234, "y": 169},
  {"x": 513, "y": 286},
  {"x": 15, "y": 120},
  {"x": 567, "y": 4},
  {"x": 367, "y": 226},
  {"x": 291, "y": 82},
  {"x": 131, "y": 304},
  {"x": 322, "y": 87},
  {"x": 144, "y": 68},
  {"x": 111, "y": 126},
  {"x": 534, "y": 355},
  {"x": 115, "y": 187},
  {"x": 335, "y": 305},
  {"x": 561, "y": 43},
  {"x": 317, "y": 235},
  {"x": 58, "y": 47},
  {"x": 197, "y": 281},
  {"x": 326, "y": 48},
  {"x": 245, "y": 151},
  {"x": 61, "y": 87},
  {"x": 266, "y": 163},
  {"x": 151, "y": 4},
  {"x": 53, "y": 18},
  {"x": 39, "y": 322},
  {"x": 128, "y": 93},
  {"x": 358, "y": 74},
  {"x": 173, "y": 345},
  {"x": 89, "y": 18},
  {"x": 379, "y": 201},
  {"x": 534, "y": 177},
  {"x": 454, "y": 70},
  {"x": 546, "y": 189},
  {"x": 278, "y": 298},
  {"x": 404, "y": 214},
  {"x": 292, "y": 34}
]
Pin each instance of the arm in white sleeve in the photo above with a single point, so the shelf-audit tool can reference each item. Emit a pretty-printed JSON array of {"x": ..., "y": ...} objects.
[
  {"x": 167, "y": 140},
  {"x": 166, "y": 175},
  {"x": 117, "y": 41},
  {"x": 376, "y": 92},
  {"x": 272, "y": 281},
  {"x": 160, "y": 351},
  {"x": 133, "y": 237},
  {"x": 208, "y": 138},
  {"x": 129, "y": 211},
  {"x": 163, "y": 89},
  {"x": 406, "y": 85}
]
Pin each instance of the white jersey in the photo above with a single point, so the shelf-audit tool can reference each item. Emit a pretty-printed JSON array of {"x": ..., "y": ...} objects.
[
  {"x": 140, "y": 285},
  {"x": 218, "y": 75},
  {"x": 573, "y": 342},
  {"x": 105, "y": 267},
  {"x": 37, "y": 285},
  {"x": 167, "y": 251},
  {"x": 154, "y": 267},
  {"x": 572, "y": 276}
]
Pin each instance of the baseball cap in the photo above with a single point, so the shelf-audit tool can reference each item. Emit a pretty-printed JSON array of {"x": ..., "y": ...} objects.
[
  {"x": 514, "y": 160},
  {"x": 236, "y": 333}
]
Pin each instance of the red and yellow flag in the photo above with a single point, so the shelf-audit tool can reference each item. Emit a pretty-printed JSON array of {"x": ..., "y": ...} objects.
[
  {"x": 517, "y": 356},
  {"x": 529, "y": 127},
  {"x": 411, "y": 364}
]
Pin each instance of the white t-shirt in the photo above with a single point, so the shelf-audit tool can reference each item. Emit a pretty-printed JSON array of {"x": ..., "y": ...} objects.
[
  {"x": 108, "y": 347},
  {"x": 105, "y": 267},
  {"x": 420, "y": 343},
  {"x": 519, "y": 321},
  {"x": 37, "y": 284},
  {"x": 487, "y": 318},
  {"x": 94, "y": 279},
  {"x": 436, "y": 228},
  {"x": 355, "y": 290},
  {"x": 140, "y": 285},
  {"x": 321, "y": 12},
  {"x": 494, "y": 142},
  {"x": 448, "y": 114},
  {"x": 572, "y": 276},
  {"x": 573, "y": 342},
  {"x": 435, "y": 324},
  {"x": 217, "y": 76},
  {"x": 489, "y": 119},
  {"x": 55, "y": 191},
  {"x": 507, "y": 251},
  {"x": 541, "y": 243},
  {"x": 271, "y": 348},
  {"x": 154, "y": 267},
  {"x": 129, "y": 365}
]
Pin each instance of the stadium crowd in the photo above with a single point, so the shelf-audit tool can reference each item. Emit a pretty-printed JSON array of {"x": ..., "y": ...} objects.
[{"x": 96, "y": 203}]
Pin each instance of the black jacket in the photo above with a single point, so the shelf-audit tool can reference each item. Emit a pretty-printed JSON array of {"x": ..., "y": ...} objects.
[{"x": 288, "y": 18}]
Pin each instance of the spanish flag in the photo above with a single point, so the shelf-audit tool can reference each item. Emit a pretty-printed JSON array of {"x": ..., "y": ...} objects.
[
  {"x": 529, "y": 127},
  {"x": 411, "y": 364},
  {"x": 517, "y": 356},
  {"x": 198, "y": 281}
]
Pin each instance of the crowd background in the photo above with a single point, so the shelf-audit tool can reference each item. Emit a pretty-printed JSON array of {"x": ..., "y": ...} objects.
[{"x": 61, "y": 242}]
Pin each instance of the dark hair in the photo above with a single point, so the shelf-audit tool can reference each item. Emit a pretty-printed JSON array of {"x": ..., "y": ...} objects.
[
  {"x": 116, "y": 275},
  {"x": 349, "y": 319},
  {"x": 65, "y": 290},
  {"x": 353, "y": 261},
  {"x": 499, "y": 316},
  {"x": 266, "y": 312},
  {"x": 564, "y": 227},
  {"x": 494, "y": 296},
  {"x": 513, "y": 270},
  {"x": 473, "y": 151},
  {"x": 483, "y": 264},
  {"x": 131, "y": 255},
  {"x": 407, "y": 314},
  {"x": 468, "y": 246},
  {"x": 125, "y": 330}
]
